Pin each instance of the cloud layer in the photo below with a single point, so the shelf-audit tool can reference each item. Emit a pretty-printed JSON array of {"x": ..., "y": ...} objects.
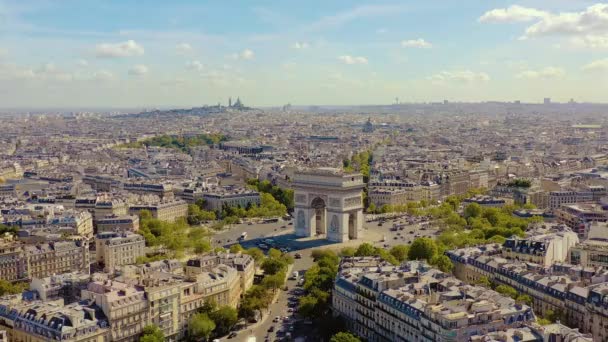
[
  {"x": 416, "y": 43},
  {"x": 347, "y": 59},
  {"x": 125, "y": 49}
]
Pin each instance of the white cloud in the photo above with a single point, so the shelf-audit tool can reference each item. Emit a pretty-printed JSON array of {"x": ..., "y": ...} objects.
[
  {"x": 83, "y": 63},
  {"x": 416, "y": 43},
  {"x": 593, "y": 20},
  {"x": 103, "y": 75},
  {"x": 461, "y": 76},
  {"x": 591, "y": 41},
  {"x": 511, "y": 14},
  {"x": 300, "y": 45},
  {"x": 183, "y": 48},
  {"x": 599, "y": 65},
  {"x": 587, "y": 28},
  {"x": 545, "y": 73},
  {"x": 244, "y": 55},
  {"x": 138, "y": 70},
  {"x": 194, "y": 65},
  {"x": 353, "y": 59},
  {"x": 125, "y": 49}
]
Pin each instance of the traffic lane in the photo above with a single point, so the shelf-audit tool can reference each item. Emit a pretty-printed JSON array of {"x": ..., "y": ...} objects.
[
  {"x": 280, "y": 307},
  {"x": 254, "y": 231}
]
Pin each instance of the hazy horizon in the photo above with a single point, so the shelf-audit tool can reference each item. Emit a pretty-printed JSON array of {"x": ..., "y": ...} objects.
[{"x": 68, "y": 54}]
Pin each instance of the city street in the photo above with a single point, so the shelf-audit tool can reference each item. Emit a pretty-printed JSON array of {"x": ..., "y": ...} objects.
[{"x": 282, "y": 236}]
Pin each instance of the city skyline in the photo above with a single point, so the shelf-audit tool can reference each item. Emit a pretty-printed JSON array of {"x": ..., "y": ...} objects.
[{"x": 270, "y": 53}]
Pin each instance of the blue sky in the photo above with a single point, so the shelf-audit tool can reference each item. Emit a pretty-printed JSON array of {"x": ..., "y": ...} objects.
[{"x": 185, "y": 53}]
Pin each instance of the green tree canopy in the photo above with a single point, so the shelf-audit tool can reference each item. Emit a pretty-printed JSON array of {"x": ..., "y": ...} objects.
[
  {"x": 224, "y": 318},
  {"x": 201, "y": 326},
  {"x": 256, "y": 254},
  {"x": 507, "y": 291},
  {"x": 365, "y": 249},
  {"x": 236, "y": 248},
  {"x": 152, "y": 333},
  {"x": 344, "y": 337},
  {"x": 472, "y": 210},
  {"x": 348, "y": 252},
  {"x": 422, "y": 249},
  {"x": 443, "y": 263},
  {"x": 400, "y": 252}
]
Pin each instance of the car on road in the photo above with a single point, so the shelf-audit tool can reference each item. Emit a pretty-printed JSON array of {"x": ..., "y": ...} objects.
[
  {"x": 283, "y": 227},
  {"x": 298, "y": 256},
  {"x": 271, "y": 329},
  {"x": 276, "y": 319},
  {"x": 232, "y": 335}
]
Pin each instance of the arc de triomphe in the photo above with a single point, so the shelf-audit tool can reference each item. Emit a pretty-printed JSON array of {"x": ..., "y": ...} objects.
[{"x": 328, "y": 203}]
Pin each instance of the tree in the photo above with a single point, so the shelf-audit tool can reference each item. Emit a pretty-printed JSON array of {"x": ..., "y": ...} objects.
[
  {"x": 443, "y": 263},
  {"x": 344, "y": 337},
  {"x": 524, "y": 298},
  {"x": 472, "y": 210},
  {"x": 422, "y": 249},
  {"x": 208, "y": 307},
  {"x": 273, "y": 266},
  {"x": 274, "y": 281},
  {"x": 365, "y": 249},
  {"x": 274, "y": 253},
  {"x": 236, "y": 248},
  {"x": 400, "y": 252},
  {"x": 371, "y": 208},
  {"x": 7, "y": 287},
  {"x": 224, "y": 318},
  {"x": 484, "y": 281},
  {"x": 152, "y": 333},
  {"x": 256, "y": 254},
  {"x": 507, "y": 291},
  {"x": 200, "y": 326},
  {"x": 347, "y": 252},
  {"x": 308, "y": 306}
]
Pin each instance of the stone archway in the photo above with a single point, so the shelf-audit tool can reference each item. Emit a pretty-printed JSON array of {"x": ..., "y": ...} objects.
[
  {"x": 324, "y": 199},
  {"x": 320, "y": 210},
  {"x": 352, "y": 226}
]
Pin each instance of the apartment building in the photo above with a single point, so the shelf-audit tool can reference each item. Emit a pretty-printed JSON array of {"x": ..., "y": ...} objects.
[
  {"x": 125, "y": 307},
  {"x": 574, "y": 291},
  {"x": 414, "y": 302},
  {"x": 579, "y": 216},
  {"x": 216, "y": 199},
  {"x": 222, "y": 282},
  {"x": 485, "y": 201},
  {"x": 166, "y": 210},
  {"x": 13, "y": 265},
  {"x": 50, "y": 258},
  {"x": 115, "y": 223},
  {"x": 66, "y": 286},
  {"x": 545, "y": 249},
  {"x": 558, "y": 198},
  {"x": 160, "y": 190},
  {"x": 50, "y": 321},
  {"x": 117, "y": 249}
]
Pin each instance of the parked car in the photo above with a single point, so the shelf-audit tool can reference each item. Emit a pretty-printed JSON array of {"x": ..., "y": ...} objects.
[{"x": 271, "y": 329}]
